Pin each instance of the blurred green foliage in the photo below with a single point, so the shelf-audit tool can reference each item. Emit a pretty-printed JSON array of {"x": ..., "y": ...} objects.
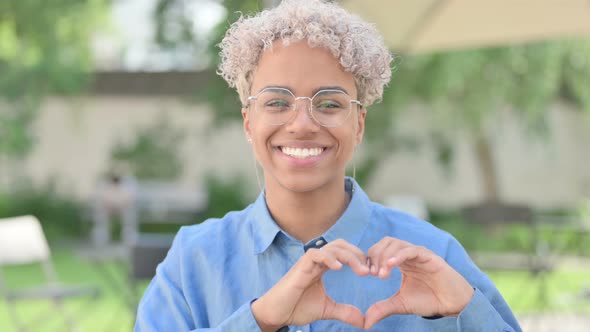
[
  {"x": 562, "y": 236},
  {"x": 60, "y": 214},
  {"x": 466, "y": 90},
  {"x": 153, "y": 153},
  {"x": 465, "y": 93},
  {"x": 223, "y": 99},
  {"x": 44, "y": 48},
  {"x": 583, "y": 211},
  {"x": 225, "y": 194}
]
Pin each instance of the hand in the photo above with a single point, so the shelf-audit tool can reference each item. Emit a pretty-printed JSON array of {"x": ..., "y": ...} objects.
[
  {"x": 300, "y": 298},
  {"x": 429, "y": 285}
]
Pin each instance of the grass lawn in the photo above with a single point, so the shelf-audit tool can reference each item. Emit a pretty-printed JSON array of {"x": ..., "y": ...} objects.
[
  {"x": 563, "y": 288},
  {"x": 110, "y": 313}
]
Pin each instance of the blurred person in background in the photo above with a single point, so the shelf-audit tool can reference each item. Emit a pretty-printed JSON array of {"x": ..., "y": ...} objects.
[
  {"x": 313, "y": 252},
  {"x": 114, "y": 198}
]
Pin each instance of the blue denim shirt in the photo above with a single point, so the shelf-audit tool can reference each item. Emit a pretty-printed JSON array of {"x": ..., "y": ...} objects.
[{"x": 216, "y": 269}]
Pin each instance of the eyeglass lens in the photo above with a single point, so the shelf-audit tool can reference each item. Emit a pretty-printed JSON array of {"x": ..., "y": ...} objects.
[{"x": 328, "y": 107}]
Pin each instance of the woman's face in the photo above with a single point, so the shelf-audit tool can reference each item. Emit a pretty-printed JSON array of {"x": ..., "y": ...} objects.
[{"x": 323, "y": 152}]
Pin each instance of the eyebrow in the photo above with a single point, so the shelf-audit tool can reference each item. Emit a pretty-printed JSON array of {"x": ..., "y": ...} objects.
[{"x": 335, "y": 87}]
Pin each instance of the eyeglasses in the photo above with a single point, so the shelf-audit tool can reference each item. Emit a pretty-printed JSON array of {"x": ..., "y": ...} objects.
[{"x": 277, "y": 106}]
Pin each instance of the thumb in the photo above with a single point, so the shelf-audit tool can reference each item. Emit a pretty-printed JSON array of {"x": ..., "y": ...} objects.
[
  {"x": 346, "y": 313},
  {"x": 384, "y": 308}
]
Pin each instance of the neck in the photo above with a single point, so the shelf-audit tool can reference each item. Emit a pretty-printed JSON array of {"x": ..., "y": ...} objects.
[{"x": 307, "y": 215}]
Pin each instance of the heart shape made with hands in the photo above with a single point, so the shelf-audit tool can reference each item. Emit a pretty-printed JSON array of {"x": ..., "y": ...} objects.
[{"x": 429, "y": 286}]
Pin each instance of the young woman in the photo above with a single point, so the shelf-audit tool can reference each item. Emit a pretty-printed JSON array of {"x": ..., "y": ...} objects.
[{"x": 313, "y": 253}]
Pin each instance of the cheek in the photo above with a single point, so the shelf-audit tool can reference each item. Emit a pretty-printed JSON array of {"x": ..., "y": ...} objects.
[
  {"x": 262, "y": 135},
  {"x": 260, "y": 139},
  {"x": 347, "y": 139}
]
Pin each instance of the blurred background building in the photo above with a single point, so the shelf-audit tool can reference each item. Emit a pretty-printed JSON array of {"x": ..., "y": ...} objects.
[
  {"x": 488, "y": 106},
  {"x": 153, "y": 61},
  {"x": 76, "y": 138}
]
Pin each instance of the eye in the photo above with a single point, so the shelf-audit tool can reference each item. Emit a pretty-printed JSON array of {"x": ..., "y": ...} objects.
[
  {"x": 277, "y": 105},
  {"x": 328, "y": 106}
]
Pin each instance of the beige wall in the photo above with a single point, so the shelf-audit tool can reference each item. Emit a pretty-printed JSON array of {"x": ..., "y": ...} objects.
[
  {"x": 550, "y": 172},
  {"x": 75, "y": 138}
]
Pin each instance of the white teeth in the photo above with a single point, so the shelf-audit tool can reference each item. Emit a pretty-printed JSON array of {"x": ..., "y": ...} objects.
[{"x": 301, "y": 153}]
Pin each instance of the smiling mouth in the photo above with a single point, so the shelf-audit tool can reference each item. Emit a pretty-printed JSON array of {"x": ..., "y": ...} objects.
[{"x": 301, "y": 153}]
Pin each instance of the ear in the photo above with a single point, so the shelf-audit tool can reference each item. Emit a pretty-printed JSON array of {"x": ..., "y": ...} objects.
[
  {"x": 245, "y": 116},
  {"x": 360, "y": 130}
]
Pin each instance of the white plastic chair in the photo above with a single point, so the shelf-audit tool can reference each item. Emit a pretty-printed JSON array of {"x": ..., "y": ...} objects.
[{"x": 22, "y": 241}]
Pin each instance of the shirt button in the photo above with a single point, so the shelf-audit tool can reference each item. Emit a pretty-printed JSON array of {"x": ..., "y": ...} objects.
[{"x": 315, "y": 243}]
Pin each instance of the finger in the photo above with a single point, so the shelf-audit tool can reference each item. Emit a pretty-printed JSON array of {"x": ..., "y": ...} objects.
[
  {"x": 356, "y": 262},
  {"x": 383, "y": 309},
  {"x": 349, "y": 247},
  {"x": 403, "y": 256},
  {"x": 383, "y": 269},
  {"x": 413, "y": 255},
  {"x": 346, "y": 313},
  {"x": 351, "y": 255},
  {"x": 324, "y": 257},
  {"x": 374, "y": 254}
]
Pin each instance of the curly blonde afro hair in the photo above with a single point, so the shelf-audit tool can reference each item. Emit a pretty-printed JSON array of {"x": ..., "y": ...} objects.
[{"x": 356, "y": 43}]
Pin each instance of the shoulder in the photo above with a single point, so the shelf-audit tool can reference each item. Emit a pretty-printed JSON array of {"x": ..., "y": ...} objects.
[
  {"x": 214, "y": 233},
  {"x": 391, "y": 222},
  {"x": 406, "y": 227}
]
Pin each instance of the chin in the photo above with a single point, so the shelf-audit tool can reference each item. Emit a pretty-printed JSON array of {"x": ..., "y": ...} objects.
[{"x": 304, "y": 182}]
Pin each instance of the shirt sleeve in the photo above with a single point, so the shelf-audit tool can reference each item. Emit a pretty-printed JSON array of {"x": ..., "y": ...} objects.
[
  {"x": 164, "y": 307},
  {"x": 487, "y": 311},
  {"x": 480, "y": 315}
]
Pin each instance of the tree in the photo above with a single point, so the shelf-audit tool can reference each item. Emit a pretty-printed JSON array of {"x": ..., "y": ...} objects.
[
  {"x": 463, "y": 92},
  {"x": 44, "y": 47},
  {"x": 222, "y": 98}
]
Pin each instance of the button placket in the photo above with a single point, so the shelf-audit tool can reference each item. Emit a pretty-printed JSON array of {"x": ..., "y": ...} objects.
[{"x": 315, "y": 243}]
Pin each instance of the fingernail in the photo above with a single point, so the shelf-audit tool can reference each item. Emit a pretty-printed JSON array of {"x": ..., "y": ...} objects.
[
  {"x": 373, "y": 269},
  {"x": 382, "y": 272}
]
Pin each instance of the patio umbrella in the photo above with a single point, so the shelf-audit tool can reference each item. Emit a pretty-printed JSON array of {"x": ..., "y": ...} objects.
[{"x": 420, "y": 26}]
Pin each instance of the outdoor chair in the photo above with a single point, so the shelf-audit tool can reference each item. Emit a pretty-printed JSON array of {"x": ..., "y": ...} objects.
[{"x": 22, "y": 242}]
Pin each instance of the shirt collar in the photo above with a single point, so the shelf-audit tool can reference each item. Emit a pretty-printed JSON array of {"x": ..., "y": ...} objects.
[
  {"x": 263, "y": 227},
  {"x": 349, "y": 226}
]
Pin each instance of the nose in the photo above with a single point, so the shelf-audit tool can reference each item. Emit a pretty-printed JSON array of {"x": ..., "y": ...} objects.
[{"x": 302, "y": 121}]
